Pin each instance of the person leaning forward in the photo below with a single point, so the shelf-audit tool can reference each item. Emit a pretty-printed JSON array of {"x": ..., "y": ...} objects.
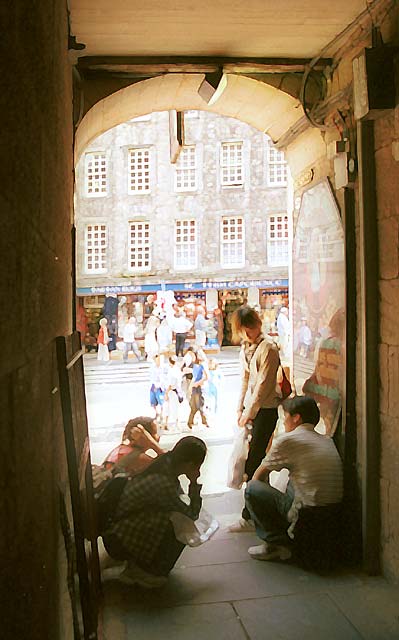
[
  {"x": 315, "y": 481},
  {"x": 258, "y": 400}
]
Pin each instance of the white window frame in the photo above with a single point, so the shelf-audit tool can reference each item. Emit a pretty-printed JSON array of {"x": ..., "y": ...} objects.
[
  {"x": 96, "y": 178},
  {"x": 189, "y": 245},
  {"x": 141, "y": 245},
  {"x": 231, "y": 169},
  {"x": 232, "y": 226},
  {"x": 276, "y": 166},
  {"x": 278, "y": 245},
  {"x": 142, "y": 154},
  {"x": 186, "y": 174},
  {"x": 101, "y": 247}
]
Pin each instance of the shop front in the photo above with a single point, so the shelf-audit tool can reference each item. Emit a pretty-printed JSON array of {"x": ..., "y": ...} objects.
[{"x": 218, "y": 299}]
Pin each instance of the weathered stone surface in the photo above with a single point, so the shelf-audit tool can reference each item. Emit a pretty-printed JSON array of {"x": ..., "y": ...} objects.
[
  {"x": 387, "y": 179},
  {"x": 389, "y": 311},
  {"x": 163, "y": 205},
  {"x": 388, "y": 234},
  {"x": 393, "y": 372},
  {"x": 384, "y": 379}
]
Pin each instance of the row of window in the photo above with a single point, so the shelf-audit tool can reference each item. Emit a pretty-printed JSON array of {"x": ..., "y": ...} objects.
[
  {"x": 232, "y": 244},
  {"x": 186, "y": 169}
]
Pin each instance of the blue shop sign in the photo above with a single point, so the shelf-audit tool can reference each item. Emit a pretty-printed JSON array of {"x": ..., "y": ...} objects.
[{"x": 182, "y": 286}]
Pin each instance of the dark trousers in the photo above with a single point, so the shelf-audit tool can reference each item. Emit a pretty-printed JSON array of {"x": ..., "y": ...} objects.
[
  {"x": 163, "y": 560},
  {"x": 262, "y": 430},
  {"x": 180, "y": 340},
  {"x": 268, "y": 509},
  {"x": 196, "y": 404}
]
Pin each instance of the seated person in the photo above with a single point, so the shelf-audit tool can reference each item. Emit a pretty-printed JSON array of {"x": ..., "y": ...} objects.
[
  {"x": 315, "y": 479},
  {"x": 139, "y": 437},
  {"x": 141, "y": 531}
]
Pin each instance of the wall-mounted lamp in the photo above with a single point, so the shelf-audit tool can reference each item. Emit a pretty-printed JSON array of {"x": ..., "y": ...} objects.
[{"x": 212, "y": 86}]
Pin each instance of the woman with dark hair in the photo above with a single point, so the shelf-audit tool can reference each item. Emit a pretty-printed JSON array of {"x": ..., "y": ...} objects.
[
  {"x": 141, "y": 531},
  {"x": 257, "y": 406}
]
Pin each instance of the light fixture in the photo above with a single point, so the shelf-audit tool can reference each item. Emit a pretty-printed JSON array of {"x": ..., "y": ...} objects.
[{"x": 212, "y": 86}]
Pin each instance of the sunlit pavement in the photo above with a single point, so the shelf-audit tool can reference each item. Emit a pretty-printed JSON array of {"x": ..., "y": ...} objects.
[{"x": 116, "y": 392}]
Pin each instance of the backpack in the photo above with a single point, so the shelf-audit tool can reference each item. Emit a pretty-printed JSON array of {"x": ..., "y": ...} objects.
[{"x": 107, "y": 500}]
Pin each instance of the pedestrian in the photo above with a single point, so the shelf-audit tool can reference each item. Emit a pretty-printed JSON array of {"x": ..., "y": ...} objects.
[
  {"x": 315, "y": 481},
  {"x": 150, "y": 339},
  {"x": 164, "y": 336},
  {"x": 212, "y": 386},
  {"x": 305, "y": 338},
  {"x": 173, "y": 394},
  {"x": 283, "y": 330},
  {"x": 181, "y": 325},
  {"x": 257, "y": 406},
  {"x": 141, "y": 530},
  {"x": 157, "y": 388},
  {"x": 200, "y": 326},
  {"x": 102, "y": 341},
  {"x": 196, "y": 396},
  {"x": 129, "y": 340}
]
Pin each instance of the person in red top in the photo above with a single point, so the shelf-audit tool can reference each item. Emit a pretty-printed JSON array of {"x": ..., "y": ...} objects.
[
  {"x": 102, "y": 341},
  {"x": 140, "y": 435}
]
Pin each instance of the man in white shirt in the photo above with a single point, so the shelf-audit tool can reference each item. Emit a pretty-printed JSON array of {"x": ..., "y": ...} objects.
[
  {"x": 181, "y": 325},
  {"x": 315, "y": 479},
  {"x": 130, "y": 343}
]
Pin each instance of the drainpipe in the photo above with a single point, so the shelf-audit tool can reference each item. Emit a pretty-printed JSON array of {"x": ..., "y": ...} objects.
[{"x": 369, "y": 336}]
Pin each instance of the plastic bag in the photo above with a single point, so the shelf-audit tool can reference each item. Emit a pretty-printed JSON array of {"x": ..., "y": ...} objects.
[
  {"x": 236, "y": 465},
  {"x": 193, "y": 533}
]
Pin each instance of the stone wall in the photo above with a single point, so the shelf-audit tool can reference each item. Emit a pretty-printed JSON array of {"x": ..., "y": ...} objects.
[
  {"x": 35, "y": 254},
  {"x": 387, "y": 170},
  {"x": 254, "y": 200}
]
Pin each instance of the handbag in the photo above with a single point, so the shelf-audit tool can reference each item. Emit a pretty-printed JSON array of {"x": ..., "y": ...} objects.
[{"x": 284, "y": 384}]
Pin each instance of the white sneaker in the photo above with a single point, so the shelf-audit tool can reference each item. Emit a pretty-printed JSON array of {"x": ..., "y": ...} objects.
[
  {"x": 266, "y": 551},
  {"x": 242, "y": 526},
  {"x": 134, "y": 575}
]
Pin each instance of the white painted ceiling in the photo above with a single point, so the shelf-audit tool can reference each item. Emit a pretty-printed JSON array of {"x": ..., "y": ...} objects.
[{"x": 251, "y": 28}]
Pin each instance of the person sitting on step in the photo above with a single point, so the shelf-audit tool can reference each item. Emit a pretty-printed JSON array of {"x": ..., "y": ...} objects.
[{"x": 315, "y": 479}]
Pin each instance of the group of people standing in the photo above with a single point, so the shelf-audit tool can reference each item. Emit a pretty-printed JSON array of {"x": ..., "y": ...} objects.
[
  {"x": 141, "y": 530},
  {"x": 192, "y": 378}
]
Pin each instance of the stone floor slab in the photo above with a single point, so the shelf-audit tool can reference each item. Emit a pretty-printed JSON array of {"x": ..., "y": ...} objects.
[
  {"x": 311, "y": 616},
  {"x": 203, "y": 622},
  {"x": 373, "y": 608}
]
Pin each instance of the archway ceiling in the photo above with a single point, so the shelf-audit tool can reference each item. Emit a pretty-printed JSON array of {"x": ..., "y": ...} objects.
[{"x": 254, "y": 28}]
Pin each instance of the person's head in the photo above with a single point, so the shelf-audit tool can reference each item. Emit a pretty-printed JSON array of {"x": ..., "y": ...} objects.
[
  {"x": 103, "y": 322},
  {"x": 246, "y": 324},
  {"x": 300, "y": 410},
  {"x": 146, "y": 422},
  {"x": 187, "y": 456}
]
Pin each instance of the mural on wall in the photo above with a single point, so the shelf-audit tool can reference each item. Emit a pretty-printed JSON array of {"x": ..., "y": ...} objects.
[{"x": 319, "y": 303}]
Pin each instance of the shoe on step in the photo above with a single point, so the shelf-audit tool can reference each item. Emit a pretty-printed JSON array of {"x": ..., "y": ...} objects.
[
  {"x": 266, "y": 551},
  {"x": 134, "y": 575},
  {"x": 242, "y": 526}
]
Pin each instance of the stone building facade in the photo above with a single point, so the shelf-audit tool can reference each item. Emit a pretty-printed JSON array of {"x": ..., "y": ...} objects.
[{"x": 216, "y": 220}]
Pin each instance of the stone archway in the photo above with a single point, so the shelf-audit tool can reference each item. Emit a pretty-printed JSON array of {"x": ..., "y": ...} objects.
[{"x": 260, "y": 105}]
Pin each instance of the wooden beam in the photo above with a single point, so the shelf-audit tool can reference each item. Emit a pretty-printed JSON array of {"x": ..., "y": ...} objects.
[{"x": 147, "y": 66}]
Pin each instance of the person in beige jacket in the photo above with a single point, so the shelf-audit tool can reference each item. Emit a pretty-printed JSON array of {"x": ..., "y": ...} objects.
[{"x": 259, "y": 399}]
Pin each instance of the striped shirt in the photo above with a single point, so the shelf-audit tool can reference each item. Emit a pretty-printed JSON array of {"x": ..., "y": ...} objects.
[{"x": 314, "y": 465}]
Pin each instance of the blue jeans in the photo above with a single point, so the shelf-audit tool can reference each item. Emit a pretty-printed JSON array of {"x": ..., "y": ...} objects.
[{"x": 268, "y": 509}]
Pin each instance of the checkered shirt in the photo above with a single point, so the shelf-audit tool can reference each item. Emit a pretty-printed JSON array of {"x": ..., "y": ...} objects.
[{"x": 143, "y": 513}]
